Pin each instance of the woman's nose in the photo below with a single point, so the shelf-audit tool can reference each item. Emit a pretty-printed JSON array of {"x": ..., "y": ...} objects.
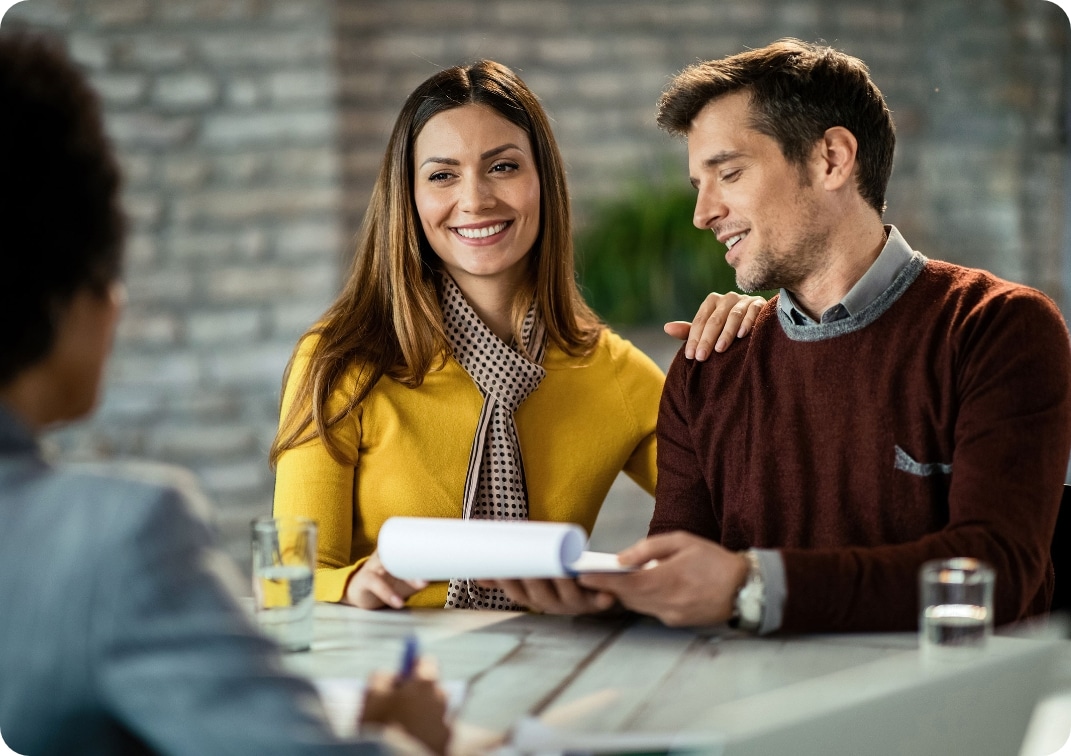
[{"x": 476, "y": 195}]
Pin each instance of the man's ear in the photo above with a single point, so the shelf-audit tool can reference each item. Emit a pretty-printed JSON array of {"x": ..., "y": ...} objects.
[{"x": 835, "y": 156}]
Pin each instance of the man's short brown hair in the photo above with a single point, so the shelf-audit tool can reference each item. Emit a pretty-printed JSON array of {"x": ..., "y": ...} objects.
[{"x": 797, "y": 92}]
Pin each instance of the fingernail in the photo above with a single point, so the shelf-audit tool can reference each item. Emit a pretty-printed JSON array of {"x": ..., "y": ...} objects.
[
  {"x": 689, "y": 351},
  {"x": 700, "y": 353},
  {"x": 396, "y": 602},
  {"x": 720, "y": 346},
  {"x": 741, "y": 333}
]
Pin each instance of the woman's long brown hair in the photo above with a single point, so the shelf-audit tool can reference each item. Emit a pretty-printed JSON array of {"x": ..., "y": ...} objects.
[{"x": 387, "y": 319}]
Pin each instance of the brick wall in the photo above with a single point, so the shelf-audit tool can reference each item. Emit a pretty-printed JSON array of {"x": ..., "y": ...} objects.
[
  {"x": 251, "y": 132},
  {"x": 223, "y": 113},
  {"x": 978, "y": 88}
]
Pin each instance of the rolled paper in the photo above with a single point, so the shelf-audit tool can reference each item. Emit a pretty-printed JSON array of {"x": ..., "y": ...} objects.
[{"x": 437, "y": 548}]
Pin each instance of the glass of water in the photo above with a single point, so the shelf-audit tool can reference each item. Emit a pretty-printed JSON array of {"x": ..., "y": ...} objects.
[
  {"x": 956, "y": 608},
  {"x": 284, "y": 557}
]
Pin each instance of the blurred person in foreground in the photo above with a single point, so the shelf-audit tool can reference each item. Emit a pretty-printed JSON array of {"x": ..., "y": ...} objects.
[
  {"x": 117, "y": 631},
  {"x": 887, "y": 408}
]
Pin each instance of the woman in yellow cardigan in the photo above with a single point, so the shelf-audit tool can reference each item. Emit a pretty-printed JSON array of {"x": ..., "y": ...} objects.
[{"x": 460, "y": 340}]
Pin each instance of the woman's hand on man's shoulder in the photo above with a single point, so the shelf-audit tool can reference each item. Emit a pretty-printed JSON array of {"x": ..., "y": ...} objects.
[{"x": 721, "y": 319}]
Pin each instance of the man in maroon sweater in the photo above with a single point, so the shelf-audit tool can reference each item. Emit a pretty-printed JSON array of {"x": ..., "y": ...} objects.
[{"x": 887, "y": 409}]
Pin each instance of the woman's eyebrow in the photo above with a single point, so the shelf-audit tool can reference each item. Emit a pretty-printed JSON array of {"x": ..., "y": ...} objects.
[
  {"x": 490, "y": 153},
  {"x": 497, "y": 150},
  {"x": 442, "y": 160}
]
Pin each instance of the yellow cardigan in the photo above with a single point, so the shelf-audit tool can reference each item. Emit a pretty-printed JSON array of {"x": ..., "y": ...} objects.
[{"x": 589, "y": 419}]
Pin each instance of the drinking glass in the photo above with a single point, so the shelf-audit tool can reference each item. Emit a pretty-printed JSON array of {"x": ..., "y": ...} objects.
[
  {"x": 956, "y": 608},
  {"x": 284, "y": 558}
]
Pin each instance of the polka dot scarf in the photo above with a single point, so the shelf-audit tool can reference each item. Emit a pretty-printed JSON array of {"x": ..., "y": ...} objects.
[{"x": 494, "y": 486}]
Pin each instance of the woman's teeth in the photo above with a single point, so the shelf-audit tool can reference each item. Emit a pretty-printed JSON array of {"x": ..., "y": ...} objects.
[{"x": 480, "y": 233}]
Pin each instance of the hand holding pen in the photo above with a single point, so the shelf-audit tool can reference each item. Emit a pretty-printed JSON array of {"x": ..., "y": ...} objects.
[{"x": 410, "y": 698}]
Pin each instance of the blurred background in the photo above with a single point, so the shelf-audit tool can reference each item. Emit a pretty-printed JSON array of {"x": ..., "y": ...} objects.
[{"x": 250, "y": 133}]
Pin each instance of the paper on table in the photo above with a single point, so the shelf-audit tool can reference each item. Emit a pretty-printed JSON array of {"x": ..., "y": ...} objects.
[
  {"x": 435, "y": 548},
  {"x": 530, "y": 735}
]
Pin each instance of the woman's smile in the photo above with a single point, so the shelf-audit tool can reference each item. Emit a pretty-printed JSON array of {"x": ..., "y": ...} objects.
[{"x": 485, "y": 234}]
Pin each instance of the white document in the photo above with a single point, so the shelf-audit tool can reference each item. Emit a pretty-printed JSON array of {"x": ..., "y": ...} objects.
[
  {"x": 531, "y": 736},
  {"x": 436, "y": 548}
]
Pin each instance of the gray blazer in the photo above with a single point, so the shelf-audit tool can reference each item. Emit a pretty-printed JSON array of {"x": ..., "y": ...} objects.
[{"x": 117, "y": 633}]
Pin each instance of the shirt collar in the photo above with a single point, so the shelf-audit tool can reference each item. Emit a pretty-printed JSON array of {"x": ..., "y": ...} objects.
[
  {"x": 14, "y": 435},
  {"x": 879, "y": 276}
]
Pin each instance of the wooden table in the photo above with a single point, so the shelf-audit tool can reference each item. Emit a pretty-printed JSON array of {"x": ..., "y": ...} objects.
[{"x": 549, "y": 683}]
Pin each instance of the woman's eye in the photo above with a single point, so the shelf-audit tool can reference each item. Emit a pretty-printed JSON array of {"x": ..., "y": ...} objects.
[
  {"x": 439, "y": 176},
  {"x": 504, "y": 167}
]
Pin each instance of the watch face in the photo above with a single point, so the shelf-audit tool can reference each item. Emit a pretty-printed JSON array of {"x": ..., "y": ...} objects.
[
  {"x": 752, "y": 597},
  {"x": 751, "y": 603}
]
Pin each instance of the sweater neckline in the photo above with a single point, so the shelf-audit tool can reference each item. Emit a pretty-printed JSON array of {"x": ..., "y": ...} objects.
[{"x": 866, "y": 316}]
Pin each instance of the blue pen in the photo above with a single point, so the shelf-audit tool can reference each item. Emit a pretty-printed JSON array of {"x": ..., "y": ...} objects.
[{"x": 409, "y": 658}]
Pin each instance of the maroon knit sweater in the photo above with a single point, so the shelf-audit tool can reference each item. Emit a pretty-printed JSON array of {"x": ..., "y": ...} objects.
[{"x": 837, "y": 450}]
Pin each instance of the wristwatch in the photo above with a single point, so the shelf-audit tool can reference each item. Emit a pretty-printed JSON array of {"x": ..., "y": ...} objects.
[{"x": 750, "y": 601}]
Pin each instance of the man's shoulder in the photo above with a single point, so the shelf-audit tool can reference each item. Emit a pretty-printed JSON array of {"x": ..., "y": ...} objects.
[
  {"x": 962, "y": 281},
  {"x": 977, "y": 293},
  {"x": 756, "y": 345}
]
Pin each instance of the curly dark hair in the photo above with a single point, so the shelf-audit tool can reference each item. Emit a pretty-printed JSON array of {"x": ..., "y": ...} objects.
[
  {"x": 797, "y": 91},
  {"x": 61, "y": 226}
]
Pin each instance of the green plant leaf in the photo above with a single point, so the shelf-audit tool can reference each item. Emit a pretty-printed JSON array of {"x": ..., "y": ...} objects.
[{"x": 642, "y": 262}]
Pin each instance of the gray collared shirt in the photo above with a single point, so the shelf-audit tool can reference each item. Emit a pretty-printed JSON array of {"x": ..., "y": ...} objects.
[{"x": 879, "y": 277}]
